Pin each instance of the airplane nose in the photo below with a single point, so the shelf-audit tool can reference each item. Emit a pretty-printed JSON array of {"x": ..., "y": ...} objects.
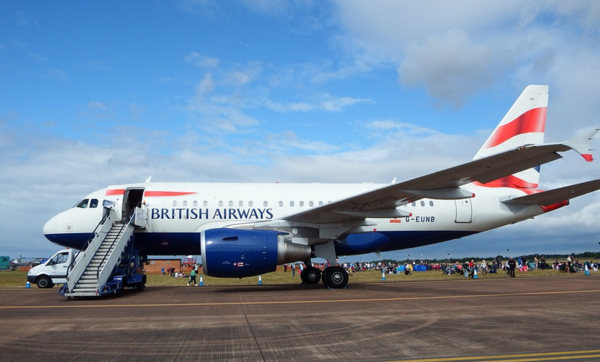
[{"x": 50, "y": 228}]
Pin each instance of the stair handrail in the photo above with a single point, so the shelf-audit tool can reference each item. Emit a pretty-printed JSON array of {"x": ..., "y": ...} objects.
[
  {"x": 116, "y": 239},
  {"x": 85, "y": 256},
  {"x": 94, "y": 234},
  {"x": 112, "y": 258},
  {"x": 107, "y": 212}
]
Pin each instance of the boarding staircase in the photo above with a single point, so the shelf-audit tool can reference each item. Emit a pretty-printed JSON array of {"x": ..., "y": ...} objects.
[{"x": 94, "y": 266}]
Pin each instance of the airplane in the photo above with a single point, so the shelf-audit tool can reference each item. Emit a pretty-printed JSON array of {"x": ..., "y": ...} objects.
[
  {"x": 247, "y": 229},
  {"x": 22, "y": 261}
]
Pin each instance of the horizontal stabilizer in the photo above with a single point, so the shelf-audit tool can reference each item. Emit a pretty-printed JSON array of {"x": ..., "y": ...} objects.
[
  {"x": 581, "y": 143},
  {"x": 555, "y": 196}
]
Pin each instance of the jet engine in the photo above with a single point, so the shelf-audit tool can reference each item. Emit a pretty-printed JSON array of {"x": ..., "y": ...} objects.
[{"x": 237, "y": 253}]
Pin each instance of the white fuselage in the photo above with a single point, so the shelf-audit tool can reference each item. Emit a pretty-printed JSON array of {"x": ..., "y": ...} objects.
[{"x": 178, "y": 212}]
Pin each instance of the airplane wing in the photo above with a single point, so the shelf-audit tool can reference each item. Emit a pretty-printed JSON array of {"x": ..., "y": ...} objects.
[
  {"x": 443, "y": 184},
  {"x": 552, "y": 197}
]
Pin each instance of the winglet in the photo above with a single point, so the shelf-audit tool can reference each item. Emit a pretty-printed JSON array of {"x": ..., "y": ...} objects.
[{"x": 581, "y": 144}]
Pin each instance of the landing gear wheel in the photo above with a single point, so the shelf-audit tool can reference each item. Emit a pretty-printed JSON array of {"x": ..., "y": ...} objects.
[
  {"x": 310, "y": 275},
  {"x": 335, "y": 277},
  {"x": 44, "y": 282}
]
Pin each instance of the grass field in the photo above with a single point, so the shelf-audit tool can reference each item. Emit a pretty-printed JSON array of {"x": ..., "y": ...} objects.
[{"x": 19, "y": 278}]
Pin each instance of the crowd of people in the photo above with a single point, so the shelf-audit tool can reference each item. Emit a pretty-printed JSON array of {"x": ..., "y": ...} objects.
[
  {"x": 470, "y": 268},
  {"x": 467, "y": 268}
]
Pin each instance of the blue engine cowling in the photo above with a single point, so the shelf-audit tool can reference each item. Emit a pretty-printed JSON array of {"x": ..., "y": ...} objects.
[{"x": 235, "y": 253}]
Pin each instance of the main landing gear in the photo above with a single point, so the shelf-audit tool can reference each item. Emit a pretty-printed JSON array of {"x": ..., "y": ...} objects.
[{"x": 333, "y": 277}]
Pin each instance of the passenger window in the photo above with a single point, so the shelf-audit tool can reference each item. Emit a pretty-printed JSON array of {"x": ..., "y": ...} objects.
[
  {"x": 94, "y": 203},
  {"x": 195, "y": 203},
  {"x": 430, "y": 203},
  {"x": 311, "y": 204},
  {"x": 174, "y": 202},
  {"x": 280, "y": 203},
  {"x": 220, "y": 203},
  {"x": 184, "y": 203},
  {"x": 241, "y": 203},
  {"x": 205, "y": 203},
  {"x": 292, "y": 203},
  {"x": 83, "y": 204},
  {"x": 320, "y": 203},
  {"x": 414, "y": 204},
  {"x": 265, "y": 203},
  {"x": 230, "y": 203},
  {"x": 250, "y": 203},
  {"x": 301, "y": 203},
  {"x": 422, "y": 203}
]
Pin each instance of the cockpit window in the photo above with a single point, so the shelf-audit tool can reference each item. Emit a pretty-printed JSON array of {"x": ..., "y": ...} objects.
[
  {"x": 93, "y": 203},
  {"x": 83, "y": 203}
]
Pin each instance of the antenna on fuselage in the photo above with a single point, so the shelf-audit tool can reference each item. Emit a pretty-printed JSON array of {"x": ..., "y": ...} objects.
[{"x": 148, "y": 179}]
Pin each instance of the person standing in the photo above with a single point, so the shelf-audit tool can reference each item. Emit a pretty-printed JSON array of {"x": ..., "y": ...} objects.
[
  {"x": 512, "y": 265},
  {"x": 192, "y": 278},
  {"x": 543, "y": 266}
]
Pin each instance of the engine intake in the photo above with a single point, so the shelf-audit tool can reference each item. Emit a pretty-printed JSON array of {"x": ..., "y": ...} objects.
[{"x": 236, "y": 253}]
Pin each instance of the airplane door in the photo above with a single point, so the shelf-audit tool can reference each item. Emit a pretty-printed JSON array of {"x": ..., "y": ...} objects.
[
  {"x": 131, "y": 199},
  {"x": 464, "y": 211}
]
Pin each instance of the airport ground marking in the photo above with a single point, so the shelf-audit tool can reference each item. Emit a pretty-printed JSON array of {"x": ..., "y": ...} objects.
[
  {"x": 524, "y": 357},
  {"x": 320, "y": 301}
]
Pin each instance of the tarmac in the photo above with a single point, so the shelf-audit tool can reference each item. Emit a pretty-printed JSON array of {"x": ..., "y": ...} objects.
[{"x": 520, "y": 319}]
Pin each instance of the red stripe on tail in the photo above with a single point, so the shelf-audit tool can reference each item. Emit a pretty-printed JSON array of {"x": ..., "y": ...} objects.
[{"x": 531, "y": 121}]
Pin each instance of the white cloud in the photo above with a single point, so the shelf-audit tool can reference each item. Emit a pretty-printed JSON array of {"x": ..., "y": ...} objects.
[
  {"x": 480, "y": 45},
  {"x": 97, "y": 105},
  {"x": 451, "y": 67},
  {"x": 202, "y": 61},
  {"x": 319, "y": 102},
  {"x": 204, "y": 87}
]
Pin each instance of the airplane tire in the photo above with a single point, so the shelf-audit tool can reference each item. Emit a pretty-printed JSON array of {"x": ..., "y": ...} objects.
[
  {"x": 44, "y": 282},
  {"x": 335, "y": 277},
  {"x": 310, "y": 275}
]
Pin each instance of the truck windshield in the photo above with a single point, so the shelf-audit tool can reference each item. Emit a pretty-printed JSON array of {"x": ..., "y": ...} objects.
[{"x": 59, "y": 259}]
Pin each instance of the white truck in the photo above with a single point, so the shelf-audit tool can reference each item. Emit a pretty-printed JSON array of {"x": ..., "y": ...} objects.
[{"x": 54, "y": 270}]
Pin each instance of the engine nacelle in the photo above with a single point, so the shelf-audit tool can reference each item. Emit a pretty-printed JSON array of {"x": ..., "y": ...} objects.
[{"x": 236, "y": 253}]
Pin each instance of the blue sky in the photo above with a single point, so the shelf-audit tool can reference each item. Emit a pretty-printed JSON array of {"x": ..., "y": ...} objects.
[{"x": 291, "y": 91}]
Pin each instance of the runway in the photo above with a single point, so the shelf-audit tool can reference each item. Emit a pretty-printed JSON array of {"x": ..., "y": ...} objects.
[{"x": 520, "y": 319}]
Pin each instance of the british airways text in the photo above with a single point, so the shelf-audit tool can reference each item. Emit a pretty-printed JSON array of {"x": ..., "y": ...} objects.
[{"x": 217, "y": 214}]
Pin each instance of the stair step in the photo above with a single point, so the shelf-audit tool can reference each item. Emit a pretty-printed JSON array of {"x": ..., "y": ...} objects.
[{"x": 87, "y": 294}]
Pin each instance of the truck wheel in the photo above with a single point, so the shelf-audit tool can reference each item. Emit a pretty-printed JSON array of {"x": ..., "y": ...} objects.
[
  {"x": 140, "y": 286},
  {"x": 44, "y": 282}
]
